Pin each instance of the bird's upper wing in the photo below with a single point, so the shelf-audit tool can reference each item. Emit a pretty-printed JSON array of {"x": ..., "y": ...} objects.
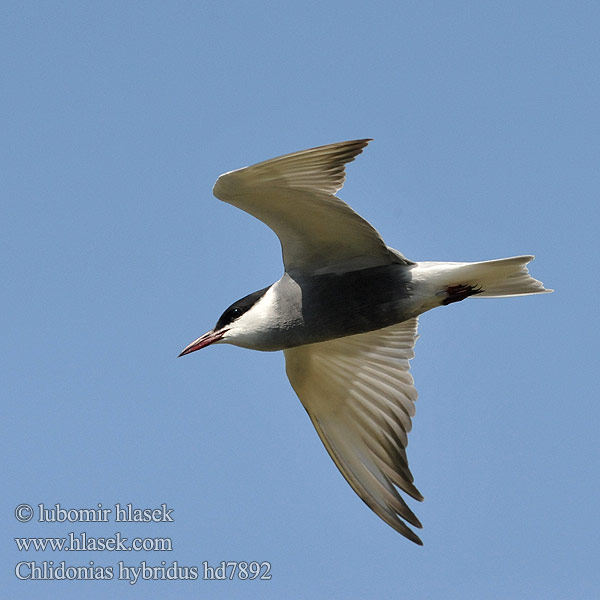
[
  {"x": 294, "y": 196},
  {"x": 360, "y": 397}
]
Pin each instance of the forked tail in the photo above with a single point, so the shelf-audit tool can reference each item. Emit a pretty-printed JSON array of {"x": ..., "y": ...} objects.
[{"x": 490, "y": 278}]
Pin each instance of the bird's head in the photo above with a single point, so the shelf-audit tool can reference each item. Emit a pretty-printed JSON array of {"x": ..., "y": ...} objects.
[{"x": 241, "y": 324}]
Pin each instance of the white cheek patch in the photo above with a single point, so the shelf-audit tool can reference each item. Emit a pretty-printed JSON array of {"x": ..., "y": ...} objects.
[{"x": 252, "y": 329}]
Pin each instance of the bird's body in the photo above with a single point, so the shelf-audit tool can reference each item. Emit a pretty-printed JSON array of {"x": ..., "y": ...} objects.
[
  {"x": 307, "y": 310},
  {"x": 345, "y": 314}
]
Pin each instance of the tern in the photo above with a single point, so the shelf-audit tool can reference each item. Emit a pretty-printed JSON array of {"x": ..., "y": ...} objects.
[{"x": 345, "y": 315}]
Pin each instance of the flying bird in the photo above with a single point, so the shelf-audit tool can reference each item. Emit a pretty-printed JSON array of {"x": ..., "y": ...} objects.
[{"x": 345, "y": 315}]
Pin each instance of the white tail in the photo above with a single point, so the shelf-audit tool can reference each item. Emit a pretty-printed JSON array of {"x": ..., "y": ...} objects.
[{"x": 502, "y": 277}]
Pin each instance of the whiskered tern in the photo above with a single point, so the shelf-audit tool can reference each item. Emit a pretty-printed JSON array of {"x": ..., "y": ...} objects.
[{"x": 345, "y": 315}]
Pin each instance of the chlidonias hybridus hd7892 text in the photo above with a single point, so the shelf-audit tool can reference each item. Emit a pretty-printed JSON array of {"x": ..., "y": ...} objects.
[{"x": 345, "y": 315}]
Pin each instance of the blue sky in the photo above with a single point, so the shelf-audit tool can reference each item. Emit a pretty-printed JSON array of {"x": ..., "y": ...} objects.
[{"x": 117, "y": 119}]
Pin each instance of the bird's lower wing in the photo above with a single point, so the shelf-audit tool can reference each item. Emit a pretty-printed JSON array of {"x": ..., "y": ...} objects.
[
  {"x": 360, "y": 397},
  {"x": 294, "y": 196}
]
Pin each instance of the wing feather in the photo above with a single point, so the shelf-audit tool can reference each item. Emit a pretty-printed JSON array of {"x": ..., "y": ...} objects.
[
  {"x": 318, "y": 169},
  {"x": 294, "y": 196},
  {"x": 359, "y": 394}
]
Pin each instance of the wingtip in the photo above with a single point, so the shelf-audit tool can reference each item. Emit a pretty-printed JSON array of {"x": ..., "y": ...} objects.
[
  {"x": 321, "y": 168},
  {"x": 411, "y": 536},
  {"x": 362, "y": 142}
]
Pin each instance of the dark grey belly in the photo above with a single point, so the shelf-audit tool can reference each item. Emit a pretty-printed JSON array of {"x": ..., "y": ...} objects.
[{"x": 337, "y": 305}]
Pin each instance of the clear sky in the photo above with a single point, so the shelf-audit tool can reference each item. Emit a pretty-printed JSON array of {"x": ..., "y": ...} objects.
[{"x": 117, "y": 118}]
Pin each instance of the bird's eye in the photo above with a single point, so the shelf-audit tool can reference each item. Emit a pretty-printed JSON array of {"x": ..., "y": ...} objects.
[{"x": 232, "y": 314}]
